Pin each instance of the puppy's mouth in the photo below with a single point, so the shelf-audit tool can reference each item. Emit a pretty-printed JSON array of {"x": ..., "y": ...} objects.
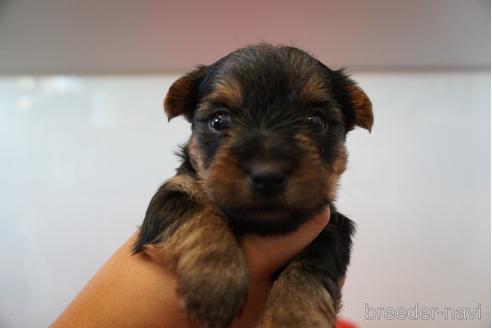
[
  {"x": 265, "y": 219},
  {"x": 264, "y": 201}
]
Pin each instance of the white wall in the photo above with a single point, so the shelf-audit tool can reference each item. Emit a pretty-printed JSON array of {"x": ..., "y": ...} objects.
[
  {"x": 80, "y": 158},
  {"x": 114, "y": 36}
]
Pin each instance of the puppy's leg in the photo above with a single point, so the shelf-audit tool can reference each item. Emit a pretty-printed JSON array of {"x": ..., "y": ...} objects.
[
  {"x": 196, "y": 243},
  {"x": 298, "y": 299},
  {"x": 307, "y": 292},
  {"x": 210, "y": 268}
]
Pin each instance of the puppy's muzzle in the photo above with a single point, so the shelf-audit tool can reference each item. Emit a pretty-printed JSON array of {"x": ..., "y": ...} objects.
[{"x": 267, "y": 159}]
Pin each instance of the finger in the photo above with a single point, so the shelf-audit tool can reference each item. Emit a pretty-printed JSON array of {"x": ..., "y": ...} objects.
[{"x": 265, "y": 255}]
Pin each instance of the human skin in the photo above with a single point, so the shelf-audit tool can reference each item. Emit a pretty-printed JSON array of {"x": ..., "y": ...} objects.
[{"x": 135, "y": 291}]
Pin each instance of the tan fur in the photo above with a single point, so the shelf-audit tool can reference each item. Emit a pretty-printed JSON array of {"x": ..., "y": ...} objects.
[
  {"x": 189, "y": 186},
  {"x": 306, "y": 176},
  {"x": 209, "y": 265},
  {"x": 175, "y": 100},
  {"x": 313, "y": 91},
  {"x": 196, "y": 158},
  {"x": 225, "y": 181},
  {"x": 335, "y": 171},
  {"x": 362, "y": 107},
  {"x": 226, "y": 92},
  {"x": 298, "y": 300}
]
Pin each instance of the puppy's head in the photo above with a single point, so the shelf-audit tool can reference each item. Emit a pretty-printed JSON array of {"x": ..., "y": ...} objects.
[{"x": 269, "y": 126}]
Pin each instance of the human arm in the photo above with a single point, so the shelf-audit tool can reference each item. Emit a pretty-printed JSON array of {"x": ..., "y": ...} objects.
[{"x": 133, "y": 291}]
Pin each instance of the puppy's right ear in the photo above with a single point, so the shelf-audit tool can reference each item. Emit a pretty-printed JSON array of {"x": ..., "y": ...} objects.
[{"x": 182, "y": 95}]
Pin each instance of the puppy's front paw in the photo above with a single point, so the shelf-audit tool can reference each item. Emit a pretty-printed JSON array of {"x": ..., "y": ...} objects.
[
  {"x": 213, "y": 287},
  {"x": 298, "y": 299},
  {"x": 210, "y": 268}
]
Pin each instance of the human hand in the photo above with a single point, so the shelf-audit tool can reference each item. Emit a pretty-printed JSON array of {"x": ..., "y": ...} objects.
[
  {"x": 266, "y": 255},
  {"x": 134, "y": 291}
]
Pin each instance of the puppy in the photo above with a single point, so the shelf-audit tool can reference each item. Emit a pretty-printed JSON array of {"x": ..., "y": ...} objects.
[{"x": 266, "y": 152}]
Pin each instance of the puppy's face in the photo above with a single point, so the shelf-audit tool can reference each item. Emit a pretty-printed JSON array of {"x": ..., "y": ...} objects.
[{"x": 269, "y": 126}]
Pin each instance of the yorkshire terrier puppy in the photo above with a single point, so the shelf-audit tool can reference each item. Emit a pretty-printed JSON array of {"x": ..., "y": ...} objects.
[{"x": 266, "y": 152}]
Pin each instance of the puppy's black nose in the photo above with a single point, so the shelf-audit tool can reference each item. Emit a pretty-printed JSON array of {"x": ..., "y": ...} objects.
[{"x": 267, "y": 177}]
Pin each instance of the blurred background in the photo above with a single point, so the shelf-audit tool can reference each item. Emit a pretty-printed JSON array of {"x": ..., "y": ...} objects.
[{"x": 84, "y": 143}]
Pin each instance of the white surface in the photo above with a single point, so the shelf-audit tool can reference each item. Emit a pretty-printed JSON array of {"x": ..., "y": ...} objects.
[{"x": 81, "y": 157}]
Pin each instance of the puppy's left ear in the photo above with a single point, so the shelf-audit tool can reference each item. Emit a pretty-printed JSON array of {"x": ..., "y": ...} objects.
[
  {"x": 356, "y": 106},
  {"x": 182, "y": 96}
]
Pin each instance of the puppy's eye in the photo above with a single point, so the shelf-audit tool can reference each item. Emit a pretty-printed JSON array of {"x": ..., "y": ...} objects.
[
  {"x": 219, "y": 121},
  {"x": 316, "y": 122}
]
